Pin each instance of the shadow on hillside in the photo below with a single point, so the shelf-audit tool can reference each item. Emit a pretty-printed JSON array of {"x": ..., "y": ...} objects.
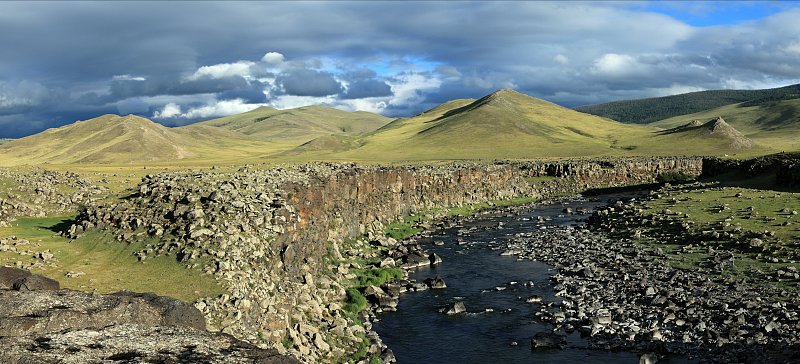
[
  {"x": 61, "y": 226},
  {"x": 622, "y": 189}
]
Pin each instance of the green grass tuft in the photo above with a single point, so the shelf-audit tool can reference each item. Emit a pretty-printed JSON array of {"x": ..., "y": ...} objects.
[{"x": 675, "y": 177}]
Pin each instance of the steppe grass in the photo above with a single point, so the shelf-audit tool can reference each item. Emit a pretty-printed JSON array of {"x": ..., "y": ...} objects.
[
  {"x": 741, "y": 212},
  {"x": 754, "y": 210},
  {"x": 108, "y": 265}
]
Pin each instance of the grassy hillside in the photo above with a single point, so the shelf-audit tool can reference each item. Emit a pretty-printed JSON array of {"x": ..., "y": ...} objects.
[
  {"x": 775, "y": 124},
  {"x": 652, "y": 109},
  {"x": 103, "y": 139},
  {"x": 112, "y": 139},
  {"x": 507, "y": 124},
  {"x": 299, "y": 125},
  {"x": 503, "y": 125}
]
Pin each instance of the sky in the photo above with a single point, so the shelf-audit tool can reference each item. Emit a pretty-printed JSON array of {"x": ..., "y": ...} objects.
[{"x": 181, "y": 62}]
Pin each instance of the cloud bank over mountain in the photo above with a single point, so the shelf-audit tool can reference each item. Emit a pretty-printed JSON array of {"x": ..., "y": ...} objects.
[{"x": 183, "y": 62}]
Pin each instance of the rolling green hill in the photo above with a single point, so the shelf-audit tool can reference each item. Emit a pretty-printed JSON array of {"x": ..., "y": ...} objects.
[
  {"x": 644, "y": 111},
  {"x": 297, "y": 126},
  {"x": 508, "y": 124},
  {"x": 503, "y": 125},
  {"x": 113, "y": 139},
  {"x": 101, "y": 140}
]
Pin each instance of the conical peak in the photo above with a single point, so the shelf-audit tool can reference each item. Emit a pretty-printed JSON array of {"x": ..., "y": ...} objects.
[{"x": 718, "y": 123}]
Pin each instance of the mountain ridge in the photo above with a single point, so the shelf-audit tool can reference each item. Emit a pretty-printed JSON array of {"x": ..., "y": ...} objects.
[
  {"x": 647, "y": 110},
  {"x": 107, "y": 138},
  {"x": 505, "y": 124},
  {"x": 298, "y": 125}
]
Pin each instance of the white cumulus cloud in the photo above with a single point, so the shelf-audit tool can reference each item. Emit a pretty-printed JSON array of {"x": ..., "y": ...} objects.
[
  {"x": 273, "y": 58},
  {"x": 210, "y": 110},
  {"x": 409, "y": 88},
  {"x": 293, "y": 101},
  {"x": 613, "y": 64},
  {"x": 222, "y": 70},
  {"x": 127, "y": 77},
  {"x": 561, "y": 59},
  {"x": 169, "y": 111},
  {"x": 22, "y": 94}
]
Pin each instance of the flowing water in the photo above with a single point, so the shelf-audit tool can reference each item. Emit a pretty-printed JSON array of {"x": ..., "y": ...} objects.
[{"x": 494, "y": 289}]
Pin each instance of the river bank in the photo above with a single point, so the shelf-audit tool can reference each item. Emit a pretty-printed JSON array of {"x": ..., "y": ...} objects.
[{"x": 626, "y": 288}]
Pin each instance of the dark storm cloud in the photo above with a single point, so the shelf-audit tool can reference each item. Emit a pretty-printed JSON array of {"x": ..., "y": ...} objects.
[
  {"x": 367, "y": 88},
  {"x": 307, "y": 82},
  {"x": 61, "y": 58},
  {"x": 122, "y": 89}
]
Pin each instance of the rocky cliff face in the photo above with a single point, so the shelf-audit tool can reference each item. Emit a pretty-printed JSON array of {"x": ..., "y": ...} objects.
[
  {"x": 270, "y": 235},
  {"x": 784, "y": 166}
]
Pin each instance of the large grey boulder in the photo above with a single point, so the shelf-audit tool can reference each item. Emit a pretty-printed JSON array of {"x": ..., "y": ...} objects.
[
  {"x": 35, "y": 282},
  {"x": 9, "y": 275},
  {"x": 65, "y": 326},
  {"x": 455, "y": 308}
]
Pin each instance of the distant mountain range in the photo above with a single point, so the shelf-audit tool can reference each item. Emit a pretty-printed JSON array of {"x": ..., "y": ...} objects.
[
  {"x": 503, "y": 125},
  {"x": 298, "y": 125},
  {"x": 643, "y": 111}
]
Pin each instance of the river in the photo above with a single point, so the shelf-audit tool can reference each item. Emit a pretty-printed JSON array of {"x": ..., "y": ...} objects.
[{"x": 499, "y": 324}]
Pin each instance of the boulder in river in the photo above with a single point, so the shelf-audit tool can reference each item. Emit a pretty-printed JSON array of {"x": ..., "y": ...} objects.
[
  {"x": 436, "y": 282},
  {"x": 648, "y": 358},
  {"x": 455, "y": 308},
  {"x": 548, "y": 340}
]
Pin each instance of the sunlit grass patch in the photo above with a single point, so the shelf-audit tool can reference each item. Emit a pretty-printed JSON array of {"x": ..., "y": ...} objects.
[{"x": 98, "y": 263}]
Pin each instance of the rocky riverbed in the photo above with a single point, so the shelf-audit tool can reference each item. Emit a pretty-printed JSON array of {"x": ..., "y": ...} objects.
[{"x": 625, "y": 295}]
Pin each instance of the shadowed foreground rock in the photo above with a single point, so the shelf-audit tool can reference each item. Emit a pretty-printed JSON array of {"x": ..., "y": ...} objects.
[
  {"x": 64, "y": 326},
  {"x": 135, "y": 344}
]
